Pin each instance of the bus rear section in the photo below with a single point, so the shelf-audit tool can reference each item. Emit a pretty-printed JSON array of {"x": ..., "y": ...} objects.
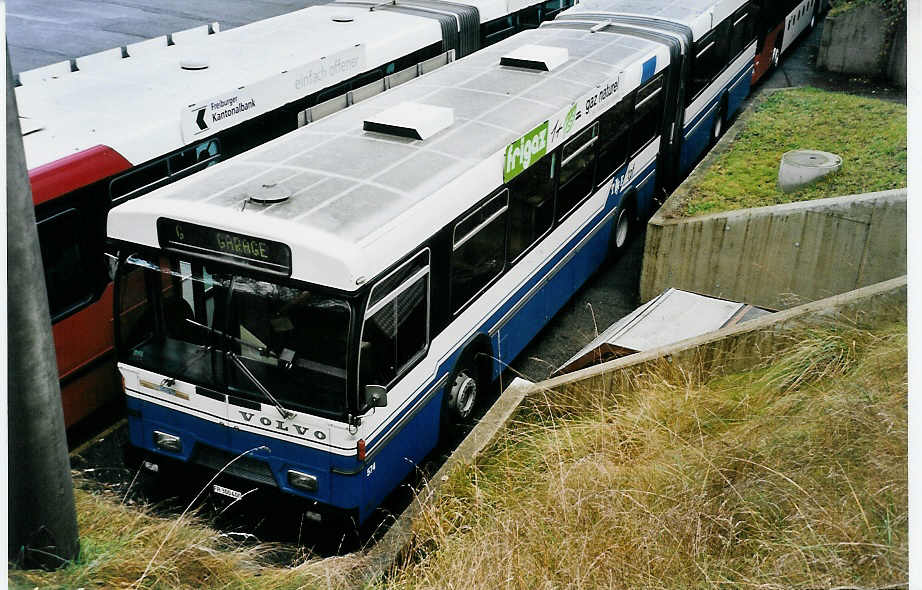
[{"x": 326, "y": 305}]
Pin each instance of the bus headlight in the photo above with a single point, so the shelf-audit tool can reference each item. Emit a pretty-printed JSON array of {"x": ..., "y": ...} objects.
[
  {"x": 167, "y": 442},
  {"x": 303, "y": 481}
]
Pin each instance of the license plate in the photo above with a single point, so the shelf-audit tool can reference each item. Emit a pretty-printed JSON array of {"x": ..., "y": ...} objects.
[{"x": 227, "y": 492}]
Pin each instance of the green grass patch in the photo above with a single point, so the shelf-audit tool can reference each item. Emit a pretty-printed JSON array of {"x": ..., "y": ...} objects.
[
  {"x": 791, "y": 475},
  {"x": 869, "y": 134}
]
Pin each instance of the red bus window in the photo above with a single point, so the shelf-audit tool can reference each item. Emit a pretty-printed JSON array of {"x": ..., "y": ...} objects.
[{"x": 68, "y": 282}]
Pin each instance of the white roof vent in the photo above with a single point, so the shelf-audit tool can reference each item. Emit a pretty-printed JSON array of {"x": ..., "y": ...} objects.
[
  {"x": 536, "y": 57},
  {"x": 28, "y": 125},
  {"x": 411, "y": 119},
  {"x": 269, "y": 194},
  {"x": 194, "y": 63}
]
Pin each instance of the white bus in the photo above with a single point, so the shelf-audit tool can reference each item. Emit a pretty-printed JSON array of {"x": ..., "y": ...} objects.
[
  {"x": 328, "y": 302},
  {"x": 105, "y": 128},
  {"x": 714, "y": 51}
]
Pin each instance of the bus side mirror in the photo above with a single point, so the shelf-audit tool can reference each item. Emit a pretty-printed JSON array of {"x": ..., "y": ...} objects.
[{"x": 376, "y": 395}]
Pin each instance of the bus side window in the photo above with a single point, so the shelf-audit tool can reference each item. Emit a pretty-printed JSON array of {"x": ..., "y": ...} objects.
[
  {"x": 648, "y": 114},
  {"x": 366, "y": 78},
  {"x": 189, "y": 157},
  {"x": 709, "y": 61},
  {"x": 68, "y": 283},
  {"x": 396, "y": 330},
  {"x": 531, "y": 206},
  {"x": 498, "y": 29},
  {"x": 743, "y": 30},
  {"x": 333, "y": 91},
  {"x": 479, "y": 250},
  {"x": 150, "y": 176},
  {"x": 577, "y": 169},
  {"x": 139, "y": 178},
  {"x": 552, "y": 7},
  {"x": 530, "y": 17},
  {"x": 614, "y": 139}
]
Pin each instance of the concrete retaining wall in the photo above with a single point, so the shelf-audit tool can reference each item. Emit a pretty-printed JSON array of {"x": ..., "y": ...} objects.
[
  {"x": 781, "y": 255},
  {"x": 856, "y": 42},
  {"x": 896, "y": 70}
]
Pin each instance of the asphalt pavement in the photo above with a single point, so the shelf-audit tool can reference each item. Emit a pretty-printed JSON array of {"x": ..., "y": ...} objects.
[{"x": 48, "y": 31}]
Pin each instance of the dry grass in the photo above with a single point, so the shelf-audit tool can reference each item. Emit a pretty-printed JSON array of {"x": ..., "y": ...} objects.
[
  {"x": 789, "y": 476},
  {"x": 129, "y": 547}
]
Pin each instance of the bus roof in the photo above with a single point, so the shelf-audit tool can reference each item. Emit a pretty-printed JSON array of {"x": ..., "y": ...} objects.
[
  {"x": 135, "y": 105},
  {"x": 361, "y": 200},
  {"x": 699, "y": 15}
]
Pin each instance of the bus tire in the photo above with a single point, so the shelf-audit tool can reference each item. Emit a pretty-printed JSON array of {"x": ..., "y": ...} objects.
[
  {"x": 624, "y": 225},
  {"x": 720, "y": 124},
  {"x": 461, "y": 392}
]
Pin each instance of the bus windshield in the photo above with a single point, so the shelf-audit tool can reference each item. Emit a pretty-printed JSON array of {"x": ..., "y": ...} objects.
[{"x": 187, "y": 320}]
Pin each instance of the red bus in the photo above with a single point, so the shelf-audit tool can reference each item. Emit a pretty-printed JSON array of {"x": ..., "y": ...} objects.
[{"x": 780, "y": 23}]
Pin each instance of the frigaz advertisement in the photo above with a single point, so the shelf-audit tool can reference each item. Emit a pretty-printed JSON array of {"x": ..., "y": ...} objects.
[
  {"x": 230, "y": 108},
  {"x": 528, "y": 149}
]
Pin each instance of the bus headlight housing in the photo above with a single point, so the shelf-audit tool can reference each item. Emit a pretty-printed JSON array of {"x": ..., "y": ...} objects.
[
  {"x": 168, "y": 442},
  {"x": 302, "y": 481}
]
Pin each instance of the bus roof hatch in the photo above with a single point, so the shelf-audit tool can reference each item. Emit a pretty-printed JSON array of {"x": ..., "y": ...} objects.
[
  {"x": 536, "y": 57},
  {"x": 411, "y": 119}
]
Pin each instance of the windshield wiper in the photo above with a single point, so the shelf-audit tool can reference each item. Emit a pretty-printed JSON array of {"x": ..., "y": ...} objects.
[
  {"x": 263, "y": 350},
  {"x": 286, "y": 414}
]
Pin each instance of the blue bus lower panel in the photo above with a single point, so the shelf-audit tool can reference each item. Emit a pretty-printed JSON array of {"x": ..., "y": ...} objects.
[
  {"x": 738, "y": 92},
  {"x": 645, "y": 202},
  {"x": 697, "y": 135},
  {"x": 697, "y": 139},
  {"x": 214, "y": 445},
  {"x": 397, "y": 458},
  {"x": 356, "y": 486}
]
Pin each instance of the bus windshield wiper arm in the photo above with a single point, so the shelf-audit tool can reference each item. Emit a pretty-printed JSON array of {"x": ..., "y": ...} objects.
[
  {"x": 263, "y": 350},
  {"x": 286, "y": 414}
]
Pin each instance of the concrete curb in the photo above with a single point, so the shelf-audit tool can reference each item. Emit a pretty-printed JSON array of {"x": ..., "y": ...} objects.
[{"x": 734, "y": 348}]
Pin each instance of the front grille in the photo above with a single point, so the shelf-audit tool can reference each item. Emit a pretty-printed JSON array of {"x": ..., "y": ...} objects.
[{"x": 245, "y": 467}]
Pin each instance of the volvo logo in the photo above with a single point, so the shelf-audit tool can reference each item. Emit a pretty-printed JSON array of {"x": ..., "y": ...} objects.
[{"x": 282, "y": 426}]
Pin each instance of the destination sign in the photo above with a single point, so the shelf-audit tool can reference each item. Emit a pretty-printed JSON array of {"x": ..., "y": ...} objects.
[{"x": 229, "y": 247}]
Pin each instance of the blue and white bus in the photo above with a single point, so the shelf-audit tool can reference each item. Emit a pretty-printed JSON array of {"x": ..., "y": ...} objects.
[
  {"x": 327, "y": 303},
  {"x": 714, "y": 47}
]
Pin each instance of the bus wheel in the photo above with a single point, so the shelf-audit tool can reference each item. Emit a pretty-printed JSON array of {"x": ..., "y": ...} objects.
[
  {"x": 717, "y": 130},
  {"x": 462, "y": 393},
  {"x": 623, "y": 230}
]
